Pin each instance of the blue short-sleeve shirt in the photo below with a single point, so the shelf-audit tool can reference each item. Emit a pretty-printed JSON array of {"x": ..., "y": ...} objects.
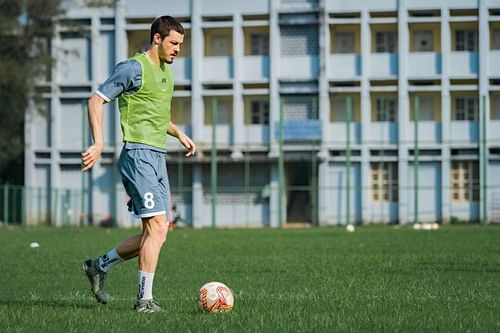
[{"x": 126, "y": 78}]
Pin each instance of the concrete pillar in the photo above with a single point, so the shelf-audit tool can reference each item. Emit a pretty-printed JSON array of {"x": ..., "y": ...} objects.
[
  {"x": 403, "y": 111},
  {"x": 446, "y": 115},
  {"x": 484, "y": 50},
  {"x": 274, "y": 95},
  {"x": 365, "y": 115},
  {"x": 238, "y": 106}
]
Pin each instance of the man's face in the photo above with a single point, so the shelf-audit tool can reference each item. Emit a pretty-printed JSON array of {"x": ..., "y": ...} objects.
[{"x": 170, "y": 46}]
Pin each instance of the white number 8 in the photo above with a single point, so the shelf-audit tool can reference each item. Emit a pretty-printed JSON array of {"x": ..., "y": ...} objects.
[{"x": 148, "y": 200}]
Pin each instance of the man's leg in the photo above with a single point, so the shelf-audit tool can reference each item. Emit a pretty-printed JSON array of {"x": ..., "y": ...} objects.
[
  {"x": 154, "y": 233},
  {"x": 96, "y": 269}
]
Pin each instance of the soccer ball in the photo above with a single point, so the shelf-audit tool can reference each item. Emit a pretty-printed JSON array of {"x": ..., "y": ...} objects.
[{"x": 215, "y": 297}]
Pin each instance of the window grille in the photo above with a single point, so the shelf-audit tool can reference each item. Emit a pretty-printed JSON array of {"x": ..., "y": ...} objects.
[
  {"x": 300, "y": 107},
  {"x": 299, "y": 3},
  {"x": 465, "y": 181},
  {"x": 384, "y": 181},
  {"x": 299, "y": 40}
]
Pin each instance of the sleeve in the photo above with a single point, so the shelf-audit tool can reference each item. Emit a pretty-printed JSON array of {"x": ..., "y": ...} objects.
[{"x": 126, "y": 78}]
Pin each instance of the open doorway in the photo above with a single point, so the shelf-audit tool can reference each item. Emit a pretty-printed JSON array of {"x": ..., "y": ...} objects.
[{"x": 298, "y": 185}]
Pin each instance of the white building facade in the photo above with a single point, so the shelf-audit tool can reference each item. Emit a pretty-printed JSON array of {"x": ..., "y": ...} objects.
[{"x": 343, "y": 76}]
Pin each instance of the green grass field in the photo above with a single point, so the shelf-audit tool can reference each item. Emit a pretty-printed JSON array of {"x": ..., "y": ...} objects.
[{"x": 289, "y": 280}]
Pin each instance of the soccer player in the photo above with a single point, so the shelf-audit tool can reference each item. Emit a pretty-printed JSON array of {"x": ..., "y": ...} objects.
[{"x": 144, "y": 86}]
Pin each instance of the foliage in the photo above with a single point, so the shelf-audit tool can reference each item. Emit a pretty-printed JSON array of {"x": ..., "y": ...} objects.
[{"x": 26, "y": 28}]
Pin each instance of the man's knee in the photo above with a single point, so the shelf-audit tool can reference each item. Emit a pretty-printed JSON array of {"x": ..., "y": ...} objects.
[{"x": 159, "y": 228}]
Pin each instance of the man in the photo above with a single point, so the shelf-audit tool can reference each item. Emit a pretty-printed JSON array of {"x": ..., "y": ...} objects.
[{"x": 144, "y": 86}]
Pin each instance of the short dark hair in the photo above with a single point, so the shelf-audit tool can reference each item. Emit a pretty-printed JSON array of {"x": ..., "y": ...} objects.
[{"x": 163, "y": 24}]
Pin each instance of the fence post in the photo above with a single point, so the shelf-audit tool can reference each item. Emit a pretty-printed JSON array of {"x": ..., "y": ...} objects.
[
  {"x": 23, "y": 206},
  {"x": 56, "y": 206},
  {"x": 415, "y": 156},
  {"x": 348, "y": 108},
  {"x": 82, "y": 179},
  {"x": 281, "y": 167},
  {"x": 485, "y": 166},
  {"x": 6, "y": 204},
  {"x": 213, "y": 162},
  {"x": 39, "y": 206}
]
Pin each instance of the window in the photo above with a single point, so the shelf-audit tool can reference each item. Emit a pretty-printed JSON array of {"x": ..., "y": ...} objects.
[
  {"x": 426, "y": 109},
  {"x": 495, "y": 39},
  {"x": 224, "y": 112},
  {"x": 344, "y": 42},
  {"x": 466, "y": 40},
  {"x": 496, "y": 108},
  {"x": 386, "y": 109},
  {"x": 260, "y": 112},
  {"x": 386, "y": 42},
  {"x": 465, "y": 181},
  {"x": 467, "y": 108},
  {"x": 384, "y": 176},
  {"x": 259, "y": 44},
  {"x": 220, "y": 45},
  {"x": 181, "y": 111},
  {"x": 423, "y": 41},
  {"x": 339, "y": 112}
]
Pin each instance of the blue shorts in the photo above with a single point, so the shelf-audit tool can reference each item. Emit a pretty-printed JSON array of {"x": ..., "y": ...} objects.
[{"x": 144, "y": 175}]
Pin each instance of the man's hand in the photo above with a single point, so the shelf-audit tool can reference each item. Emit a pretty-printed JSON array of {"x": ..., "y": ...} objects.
[
  {"x": 188, "y": 143},
  {"x": 90, "y": 156}
]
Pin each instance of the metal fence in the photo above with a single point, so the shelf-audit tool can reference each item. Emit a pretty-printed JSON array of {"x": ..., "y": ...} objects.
[{"x": 252, "y": 206}]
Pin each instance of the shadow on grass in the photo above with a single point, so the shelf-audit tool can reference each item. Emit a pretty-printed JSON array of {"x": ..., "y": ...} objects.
[{"x": 54, "y": 304}]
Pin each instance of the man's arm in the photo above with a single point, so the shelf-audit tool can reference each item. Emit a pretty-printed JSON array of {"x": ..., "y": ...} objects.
[
  {"x": 95, "y": 111},
  {"x": 126, "y": 76},
  {"x": 186, "y": 141}
]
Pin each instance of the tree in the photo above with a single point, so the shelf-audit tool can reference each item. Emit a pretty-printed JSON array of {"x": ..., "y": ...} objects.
[{"x": 26, "y": 29}]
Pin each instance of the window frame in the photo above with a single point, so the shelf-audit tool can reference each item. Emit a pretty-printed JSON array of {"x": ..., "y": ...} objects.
[
  {"x": 386, "y": 42},
  {"x": 466, "y": 40}
]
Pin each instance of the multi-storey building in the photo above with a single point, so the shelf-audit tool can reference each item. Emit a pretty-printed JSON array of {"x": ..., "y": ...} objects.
[{"x": 316, "y": 104}]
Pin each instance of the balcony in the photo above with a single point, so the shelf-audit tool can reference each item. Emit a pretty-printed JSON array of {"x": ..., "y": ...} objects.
[
  {"x": 344, "y": 66},
  {"x": 493, "y": 131},
  {"x": 255, "y": 68},
  {"x": 339, "y": 134},
  {"x": 494, "y": 63},
  {"x": 181, "y": 68},
  {"x": 464, "y": 64},
  {"x": 464, "y": 132},
  {"x": 429, "y": 132},
  {"x": 424, "y": 64},
  {"x": 300, "y": 67},
  {"x": 299, "y": 130},
  {"x": 223, "y": 135},
  {"x": 217, "y": 69},
  {"x": 256, "y": 135},
  {"x": 383, "y": 65},
  {"x": 383, "y": 133}
]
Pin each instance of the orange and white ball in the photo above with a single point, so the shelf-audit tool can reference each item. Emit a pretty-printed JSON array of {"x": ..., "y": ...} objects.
[{"x": 215, "y": 297}]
